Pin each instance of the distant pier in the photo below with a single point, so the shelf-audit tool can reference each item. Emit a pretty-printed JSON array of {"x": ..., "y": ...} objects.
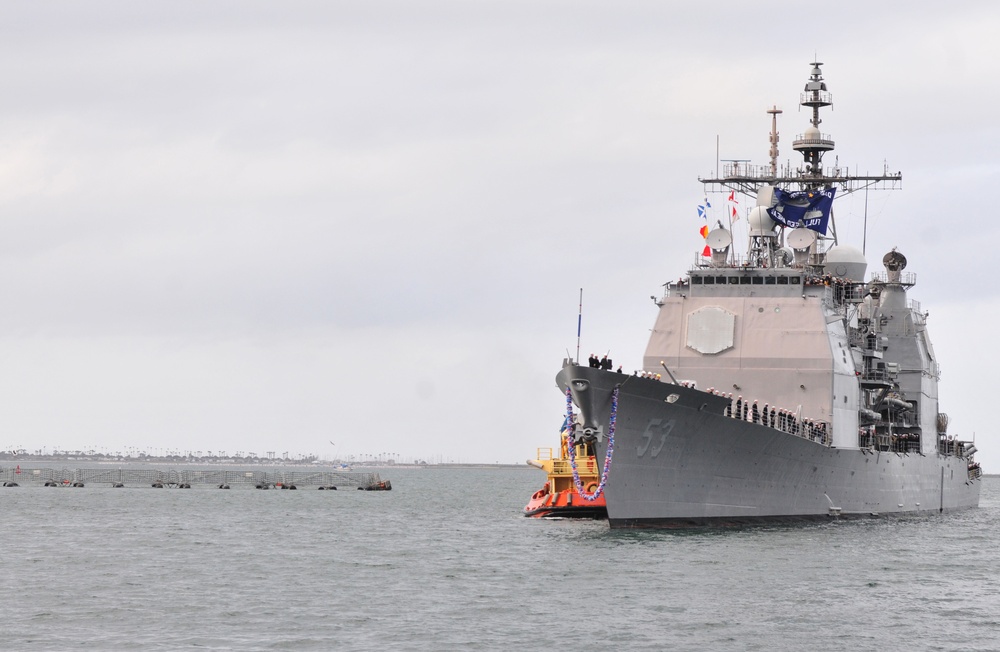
[{"x": 17, "y": 476}]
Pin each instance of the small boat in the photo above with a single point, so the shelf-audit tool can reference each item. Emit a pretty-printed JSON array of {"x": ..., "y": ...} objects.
[{"x": 560, "y": 496}]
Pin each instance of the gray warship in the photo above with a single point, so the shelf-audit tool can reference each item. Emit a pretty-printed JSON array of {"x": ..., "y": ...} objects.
[{"x": 779, "y": 384}]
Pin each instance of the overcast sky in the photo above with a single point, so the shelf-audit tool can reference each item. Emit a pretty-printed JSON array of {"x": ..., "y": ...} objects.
[{"x": 249, "y": 226}]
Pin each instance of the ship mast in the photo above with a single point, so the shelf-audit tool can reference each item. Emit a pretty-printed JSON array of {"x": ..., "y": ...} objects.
[
  {"x": 774, "y": 111},
  {"x": 812, "y": 144}
]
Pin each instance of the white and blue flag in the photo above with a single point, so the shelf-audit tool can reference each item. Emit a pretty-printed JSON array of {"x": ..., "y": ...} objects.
[{"x": 803, "y": 208}]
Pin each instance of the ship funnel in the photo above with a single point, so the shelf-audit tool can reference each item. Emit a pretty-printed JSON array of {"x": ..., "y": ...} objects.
[{"x": 718, "y": 241}]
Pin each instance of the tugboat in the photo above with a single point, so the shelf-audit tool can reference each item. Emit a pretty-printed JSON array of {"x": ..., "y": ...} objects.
[
  {"x": 795, "y": 386},
  {"x": 560, "y": 496}
]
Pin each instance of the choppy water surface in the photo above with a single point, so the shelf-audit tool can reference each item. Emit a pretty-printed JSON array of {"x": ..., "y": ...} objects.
[{"x": 445, "y": 561}]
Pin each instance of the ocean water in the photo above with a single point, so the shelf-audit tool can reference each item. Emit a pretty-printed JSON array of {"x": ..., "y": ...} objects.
[{"x": 445, "y": 561}]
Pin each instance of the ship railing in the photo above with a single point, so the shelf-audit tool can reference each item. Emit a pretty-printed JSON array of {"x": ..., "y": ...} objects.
[
  {"x": 880, "y": 375},
  {"x": 854, "y": 292},
  {"x": 813, "y": 138},
  {"x": 889, "y": 442},
  {"x": 975, "y": 472},
  {"x": 905, "y": 278},
  {"x": 954, "y": 447},
  {"x": 779, "y": 419},
  {"x": 543, "y": 454},
  {"x": 746, "y": 170},
  {"x": 856, "y": 338},
  {"x": 584, "y": 466},
  {"x": 700, "y": 262}
]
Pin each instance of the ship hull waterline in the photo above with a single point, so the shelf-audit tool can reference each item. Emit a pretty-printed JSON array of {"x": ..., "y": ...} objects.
[{"x": 679, "y": 461}]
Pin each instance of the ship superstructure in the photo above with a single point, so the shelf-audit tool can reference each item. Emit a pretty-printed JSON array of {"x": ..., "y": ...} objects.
[{"x": 791, "y": 384}]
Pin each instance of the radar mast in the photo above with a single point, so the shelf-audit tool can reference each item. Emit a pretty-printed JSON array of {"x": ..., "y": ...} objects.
[{"x": 812, "y": 144}]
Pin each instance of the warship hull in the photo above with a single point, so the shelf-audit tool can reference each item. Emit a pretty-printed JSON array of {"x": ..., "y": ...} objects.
[{"x": 678, "y": 460}]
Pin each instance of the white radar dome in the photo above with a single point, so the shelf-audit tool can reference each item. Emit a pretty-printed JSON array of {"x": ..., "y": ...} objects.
[
  {"x": 765, "y": 196},
  {"x": 844, "y": 261},
  {"x": 760, "y": 222},
  {"x": 811, "y": 133}
]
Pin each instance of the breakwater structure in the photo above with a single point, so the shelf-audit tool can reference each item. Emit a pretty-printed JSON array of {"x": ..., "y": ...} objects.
[{"x": 16, "y": 476}]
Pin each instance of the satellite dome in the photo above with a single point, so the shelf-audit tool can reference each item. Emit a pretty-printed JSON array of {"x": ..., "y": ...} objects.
[
  {"x": 846, "y": 262},
  {"x": 765, "y": 196},
  {"x": 811, "y": 133},
  {"x": 760, "y": 222}
]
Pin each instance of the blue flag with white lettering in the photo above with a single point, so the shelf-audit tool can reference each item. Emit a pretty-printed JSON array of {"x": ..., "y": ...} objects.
[{"x": 803, "y": 208}]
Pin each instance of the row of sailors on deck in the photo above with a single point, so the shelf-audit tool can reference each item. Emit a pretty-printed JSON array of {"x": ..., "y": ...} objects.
[
  {"x": 773, "y": 417},
  {"x": 826, "y": 279}
]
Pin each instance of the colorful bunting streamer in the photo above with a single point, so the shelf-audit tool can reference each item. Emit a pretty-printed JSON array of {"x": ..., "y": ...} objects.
[{"x": 572, "y": 446}]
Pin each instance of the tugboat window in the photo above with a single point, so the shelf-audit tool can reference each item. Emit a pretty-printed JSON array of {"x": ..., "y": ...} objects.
[
  {"x": 795, "y": 280},
  {"x": 782, "y": 280},
  {"x": 769, "y": 280},
  {"x": 744, "y": 280},
  {"x": 709, "y": 280},
  {"x": 734, "y": 280},
  {"x": 758, "y": 280},
  {"x": 695, "y": 280}
]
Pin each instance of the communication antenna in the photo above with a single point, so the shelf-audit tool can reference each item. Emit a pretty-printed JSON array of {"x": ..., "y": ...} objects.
[
  {"x": 864, "y": 235},
  {"x": 579, "y": 324}
]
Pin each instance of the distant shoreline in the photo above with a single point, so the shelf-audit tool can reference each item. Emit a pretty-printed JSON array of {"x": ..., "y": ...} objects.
[{"x": 10, "y": 460}]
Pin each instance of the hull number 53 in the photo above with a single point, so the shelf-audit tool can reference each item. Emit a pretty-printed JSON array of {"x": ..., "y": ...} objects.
[{"x": 656, "y": 433}]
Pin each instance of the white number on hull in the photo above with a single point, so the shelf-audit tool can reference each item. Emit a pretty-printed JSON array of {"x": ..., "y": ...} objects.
[{"x": 655, "y": 429}]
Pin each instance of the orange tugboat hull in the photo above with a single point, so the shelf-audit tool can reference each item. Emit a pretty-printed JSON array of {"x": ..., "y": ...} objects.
[{"x": 567, "y": 503}]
